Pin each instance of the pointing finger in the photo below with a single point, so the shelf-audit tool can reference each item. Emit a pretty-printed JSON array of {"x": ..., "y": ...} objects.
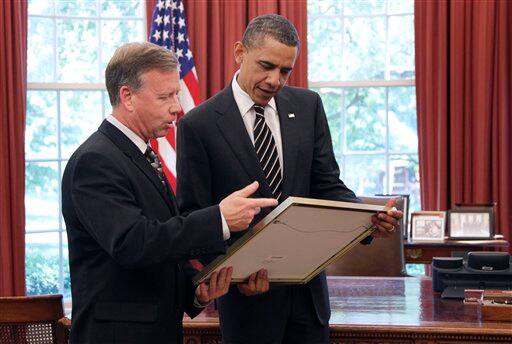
[
  {"x": 261, "y": 202},
  {"x": 248, "y": 190}
]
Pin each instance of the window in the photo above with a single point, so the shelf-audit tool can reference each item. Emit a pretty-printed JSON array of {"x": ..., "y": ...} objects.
[
  {"x": 361, "y": 62},
  {"x": 69, "y": 44}
]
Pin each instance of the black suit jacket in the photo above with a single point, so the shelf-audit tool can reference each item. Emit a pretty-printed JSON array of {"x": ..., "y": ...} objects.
[
  {"x": 217, "y": 157},
  {"x": 127, "y": 245}
]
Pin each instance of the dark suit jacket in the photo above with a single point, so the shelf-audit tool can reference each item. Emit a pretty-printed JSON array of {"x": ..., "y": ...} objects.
[
  {"x": 127, "y": 245},
  {"x": 217, "y": 157}
]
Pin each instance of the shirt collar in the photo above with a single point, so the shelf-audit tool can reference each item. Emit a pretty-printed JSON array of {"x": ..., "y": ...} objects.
[
  {"x": 243, "y": 100},
  {"x": 141, "y": 145}
]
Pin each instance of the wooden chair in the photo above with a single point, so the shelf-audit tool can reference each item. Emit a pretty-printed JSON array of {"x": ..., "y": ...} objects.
[
  {"x": 383, "y": 257},
  {"x": 32, "y": 319}
]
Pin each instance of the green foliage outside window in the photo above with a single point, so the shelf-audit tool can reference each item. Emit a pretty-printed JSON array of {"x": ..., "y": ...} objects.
[{"x": 42, "y": 272}]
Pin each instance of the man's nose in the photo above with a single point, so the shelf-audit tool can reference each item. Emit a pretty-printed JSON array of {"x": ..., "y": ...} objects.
[
  {"x": 175, "y": 107},
  {"x": 274, "y": 79}
]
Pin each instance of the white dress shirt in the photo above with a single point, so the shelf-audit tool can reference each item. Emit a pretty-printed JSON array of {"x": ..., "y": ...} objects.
[{"x": 245, "y": 106}]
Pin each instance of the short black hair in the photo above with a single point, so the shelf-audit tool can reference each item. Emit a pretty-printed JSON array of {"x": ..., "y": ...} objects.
[{"x": 273, "y": 26}]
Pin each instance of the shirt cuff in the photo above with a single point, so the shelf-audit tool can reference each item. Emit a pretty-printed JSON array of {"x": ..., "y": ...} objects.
[{"x": 225, "y": 229}]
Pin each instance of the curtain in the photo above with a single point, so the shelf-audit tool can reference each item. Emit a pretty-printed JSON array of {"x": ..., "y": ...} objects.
[
  {"x": 464, "y": 104},
  {"x": 215, "y": 25},
  {"x": 13, "y": 66}
]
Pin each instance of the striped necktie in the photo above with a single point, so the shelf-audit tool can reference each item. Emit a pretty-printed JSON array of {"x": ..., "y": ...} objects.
[
  {"x": 155, "y": 163},
  {"x": 266, "y": 150}
]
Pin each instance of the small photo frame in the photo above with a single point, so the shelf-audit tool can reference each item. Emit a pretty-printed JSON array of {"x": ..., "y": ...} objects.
[
  {"x": 428, "y": 226},
  {"x": 471, "y": 222}
]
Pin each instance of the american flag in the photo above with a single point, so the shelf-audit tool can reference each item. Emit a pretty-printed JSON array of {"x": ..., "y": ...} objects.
[{"x": 168, "y": 29}]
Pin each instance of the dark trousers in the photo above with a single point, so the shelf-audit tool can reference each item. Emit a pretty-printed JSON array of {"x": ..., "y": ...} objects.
[{"x": 291, "y": 319}]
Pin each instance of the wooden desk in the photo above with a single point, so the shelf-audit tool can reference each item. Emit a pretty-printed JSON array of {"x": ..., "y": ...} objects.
[
  {"x": 399, "y": 310},
  {"x": 422, "y": 252}
]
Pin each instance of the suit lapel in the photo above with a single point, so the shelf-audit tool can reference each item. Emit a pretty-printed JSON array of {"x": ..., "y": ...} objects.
[
  {"x": 233, "y": 129},
  {"x": 129, "y": 148},
  {"x": 290, "y": 137}
]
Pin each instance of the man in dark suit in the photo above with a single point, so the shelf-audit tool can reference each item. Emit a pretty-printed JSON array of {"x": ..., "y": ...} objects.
[
  {"x": 258, "y": 129},
  {"x": 128, "y": 246}
]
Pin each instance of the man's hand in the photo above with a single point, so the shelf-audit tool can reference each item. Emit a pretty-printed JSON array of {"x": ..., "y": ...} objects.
[
  {"x": 257, "y": 284},
  {"x": 386, "y": 223},
  {"x": 239, "y": 210},
  {"x": 216, "y": 287}
]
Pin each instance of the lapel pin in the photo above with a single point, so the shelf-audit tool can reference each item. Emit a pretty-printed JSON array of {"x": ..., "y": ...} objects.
[{"x": 291, "y": 115}]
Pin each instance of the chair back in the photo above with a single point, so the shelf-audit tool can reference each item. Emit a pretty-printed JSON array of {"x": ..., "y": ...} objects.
[
  {"x": 31, "y": 319},
  {"x": 383, "y": 257}
]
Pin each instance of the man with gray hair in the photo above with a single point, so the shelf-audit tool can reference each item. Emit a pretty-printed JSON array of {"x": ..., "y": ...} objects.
[
  {"x": 259, "y": 129},
  {"x": 128, "y": 246}
]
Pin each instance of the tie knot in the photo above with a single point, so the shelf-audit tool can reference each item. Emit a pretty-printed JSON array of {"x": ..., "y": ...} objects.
[{"x": 260, "y": 110}]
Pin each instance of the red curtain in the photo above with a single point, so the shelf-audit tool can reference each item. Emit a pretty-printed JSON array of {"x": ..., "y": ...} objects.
[
  {"x": 215, "y": 25},
  {"x": 13, "y": 87},
  {"x": 464, "y": 104}
]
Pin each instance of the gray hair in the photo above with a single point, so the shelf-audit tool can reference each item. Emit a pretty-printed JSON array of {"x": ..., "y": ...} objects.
[
  {"x": 273, "y": 26},
  {"x": 132, "y": 60}
]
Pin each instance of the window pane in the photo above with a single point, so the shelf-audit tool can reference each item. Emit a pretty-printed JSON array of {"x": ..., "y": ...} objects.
[
  {"x": 120, "y": 8},
  {"x": 77, "y": 50},
  {"x": 401, "y": 47},
  {"x": 80, "y": 117},
  {"x": 365, "y": 115},
  {"x": 364, "y": 7},
  {"x": 41, "y": 196},
  {"x": 40, "y": 7},
  {"x": 404, "y": 178},
  {"x": 63, "y": 164},
  {"x": 125, "y": 31},
  {"x": 332, "y": 101},
  {"x": 77, "y": 7},
  {"x": 42, "y": 263},
  {"x": 325, "y": 7},
  {"x": 65, "y": 266},
  {"x": 400, "y": 6},
  {"x": 325, "y": 60},
  {"x": 41, "y": 125},
  {"x": 40, "y": 48},
  {"x": 365, "y": 174},
  {"x": 107, "y": 106},
  {"x": 364, "y": 56},
  {"x": 403, "y": 133}
]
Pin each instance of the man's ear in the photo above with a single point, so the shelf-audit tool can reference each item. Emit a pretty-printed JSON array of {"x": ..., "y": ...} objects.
[
  {"x": 125, "y": 97},
  {"x": 239, "y": 50}
]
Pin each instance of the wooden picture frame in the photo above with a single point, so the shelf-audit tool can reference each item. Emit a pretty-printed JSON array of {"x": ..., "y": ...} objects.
[
  {"x": 428, "y": 226},
  {"x": 297, "y": 240},
  {"x": 471, "y": 222}
]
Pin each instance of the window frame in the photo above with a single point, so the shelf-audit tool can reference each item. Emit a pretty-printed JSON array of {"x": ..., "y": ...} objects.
[{"x": 386, "y": 83}]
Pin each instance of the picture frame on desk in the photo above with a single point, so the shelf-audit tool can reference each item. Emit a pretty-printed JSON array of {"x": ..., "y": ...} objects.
[
  {"x": 471, "y": 222},
  {"x": 428, "y": 226}
]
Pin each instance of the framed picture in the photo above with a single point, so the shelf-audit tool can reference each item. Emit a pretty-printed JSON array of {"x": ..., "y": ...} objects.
[
  {"x": 428, "y": 225},
  {"x": 471, "y": 222}
]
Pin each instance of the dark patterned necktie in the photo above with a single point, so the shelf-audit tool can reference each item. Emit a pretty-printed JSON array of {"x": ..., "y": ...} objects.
[
  {"x": 155, "y": 163},
  {"x": 266, "y": 150}
]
